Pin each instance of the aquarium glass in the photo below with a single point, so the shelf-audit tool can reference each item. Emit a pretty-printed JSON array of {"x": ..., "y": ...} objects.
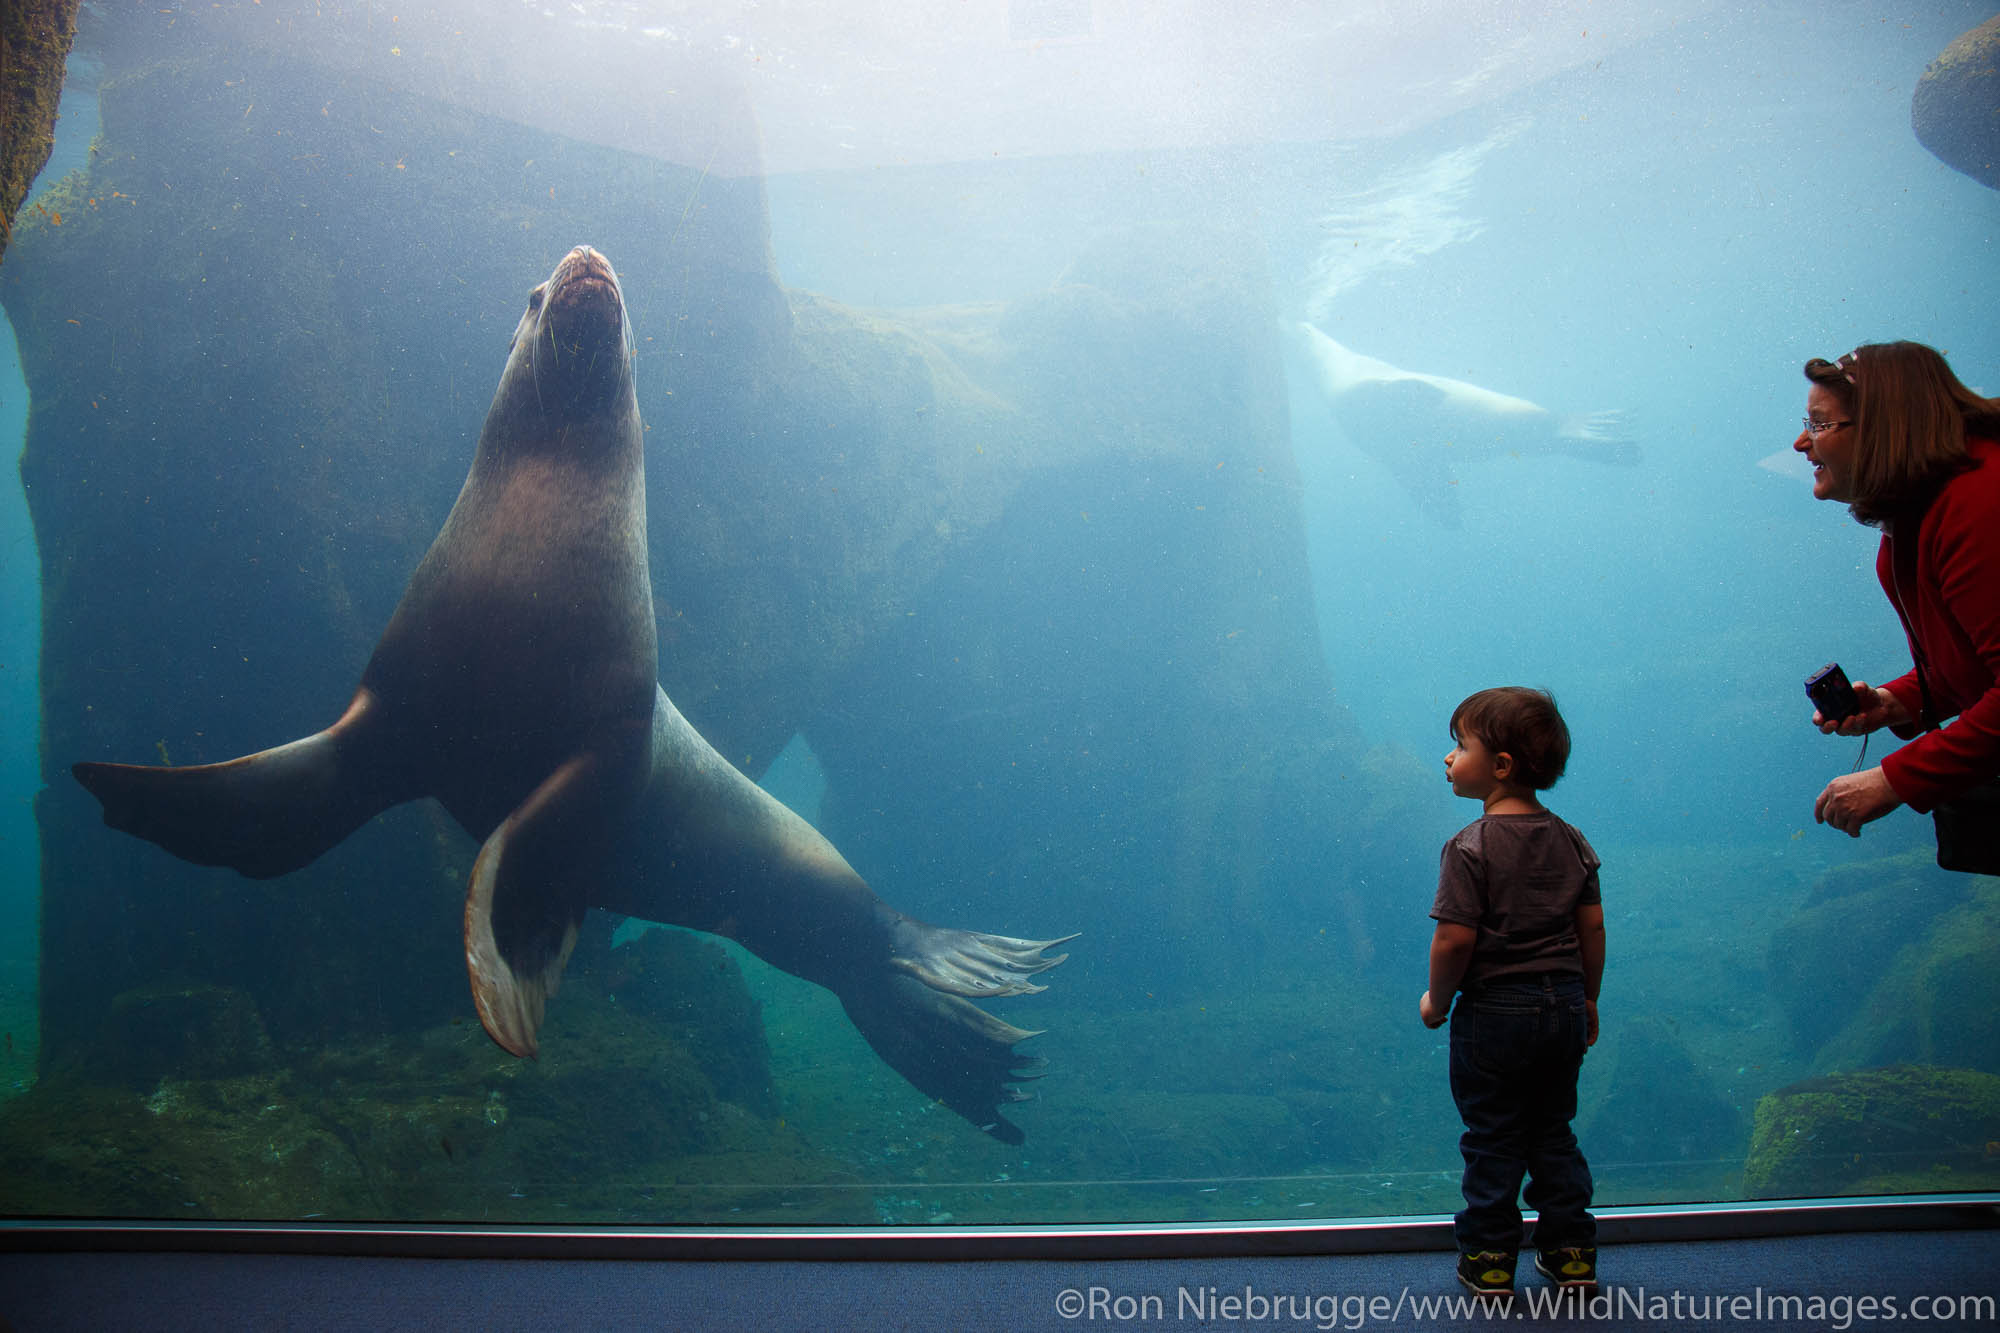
[{"x": 1090, "y": 448}]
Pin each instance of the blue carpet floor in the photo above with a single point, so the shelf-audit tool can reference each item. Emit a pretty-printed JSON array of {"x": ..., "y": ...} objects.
[{"x": 1939, "y": 1280}]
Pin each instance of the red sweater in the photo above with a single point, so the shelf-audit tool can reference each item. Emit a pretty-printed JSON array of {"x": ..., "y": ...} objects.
[{"x": 1951, "y": 613}]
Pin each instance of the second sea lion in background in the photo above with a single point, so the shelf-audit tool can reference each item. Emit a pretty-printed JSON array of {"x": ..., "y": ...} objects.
[{"x": 1423, "y": 427}]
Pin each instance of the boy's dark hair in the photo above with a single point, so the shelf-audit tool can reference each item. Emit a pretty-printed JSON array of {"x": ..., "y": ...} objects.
[{"x": 1518, "y": 721}]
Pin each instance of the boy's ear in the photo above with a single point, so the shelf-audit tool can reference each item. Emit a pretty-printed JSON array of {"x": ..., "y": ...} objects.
[{"x": 1503, "y": 766}]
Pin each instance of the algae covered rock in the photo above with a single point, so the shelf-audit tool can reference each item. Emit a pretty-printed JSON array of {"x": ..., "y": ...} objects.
[
  {"x": 188, "y": 1031},
  {"x": 1907, "y": 1127},
  {"x": 1939, "y": 1000},
  {"x": 35, "y": 38},
  {"x": 247, "y": 1147},
  {"x": 687, "y": 983},
  {"x": 1955, "y": 111},
  {"x": 652, "y": 1099},
  {"x": 1835, "y": 949},
  {"x": 1893, "y": 960}
]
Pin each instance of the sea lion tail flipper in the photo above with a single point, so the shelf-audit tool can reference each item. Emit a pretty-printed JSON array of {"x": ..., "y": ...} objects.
[
  {"x": 262, "y": 814},
  {"x": 524, "y": 902},
  {"x": 947, "y": 1047}
]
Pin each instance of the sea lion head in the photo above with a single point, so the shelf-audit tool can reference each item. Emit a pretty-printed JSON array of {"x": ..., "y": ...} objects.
[{"x": 572, "y": 352}]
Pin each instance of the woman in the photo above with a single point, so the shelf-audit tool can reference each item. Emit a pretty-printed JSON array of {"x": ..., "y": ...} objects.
[{"x": 1890, "y": 431}]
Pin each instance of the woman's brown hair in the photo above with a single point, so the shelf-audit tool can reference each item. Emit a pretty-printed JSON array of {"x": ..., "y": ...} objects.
[{"x": 1911, "y": 419}]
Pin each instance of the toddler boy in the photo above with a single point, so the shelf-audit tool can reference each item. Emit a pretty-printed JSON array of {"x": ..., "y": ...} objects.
[{"x": 1520, "y": 939}]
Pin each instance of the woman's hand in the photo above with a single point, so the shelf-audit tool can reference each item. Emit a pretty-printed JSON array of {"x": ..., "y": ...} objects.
[
  {"x": 1853, "y": 799},
  {"x": 1875, "y": 708}
]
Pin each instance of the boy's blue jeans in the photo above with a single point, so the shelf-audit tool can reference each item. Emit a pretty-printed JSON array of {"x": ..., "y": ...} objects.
[{"x": 1516, "y": 1049}]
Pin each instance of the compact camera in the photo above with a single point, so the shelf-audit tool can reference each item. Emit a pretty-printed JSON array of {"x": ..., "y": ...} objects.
[{"x": 1832, "y": 693}]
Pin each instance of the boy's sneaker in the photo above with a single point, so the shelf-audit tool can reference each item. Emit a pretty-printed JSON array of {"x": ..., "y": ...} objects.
[
  {"x": 1489, "y": 1273},
  {"x": 1572, "y": 1267}
]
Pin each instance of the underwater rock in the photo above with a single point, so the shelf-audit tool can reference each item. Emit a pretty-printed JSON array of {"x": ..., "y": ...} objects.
[
  {"x": 1938, "y": 1000},
  {"x": 189, "y": 1149},
  {"x": 1955, "y": 110},
  {"x": 623, "y": 1125},
  {"x": 184, "y": 1032},
  {"x": 35, "y": 37},
  {"x": 689, "y": 985},
  {"x": 1120, "y": 652},
  {"x": 1662, "y": 1109},
  {"x": 1835, "y": 948},
  {"x": 1904, "y": 1128}
]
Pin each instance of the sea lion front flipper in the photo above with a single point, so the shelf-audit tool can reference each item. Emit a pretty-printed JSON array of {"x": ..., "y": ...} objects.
[
  {"x": 948, "y": 1048},
  {"x": 262, "y": 814},
  {"x": 526, "y": 896}
]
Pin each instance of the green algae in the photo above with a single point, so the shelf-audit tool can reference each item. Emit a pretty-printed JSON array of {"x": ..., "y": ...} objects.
[{"x": 1875, "y": 1130}]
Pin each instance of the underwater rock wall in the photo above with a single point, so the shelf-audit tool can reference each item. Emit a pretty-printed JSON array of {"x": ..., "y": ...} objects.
[
  {"x": 1890, "y": 960},
  {"x": 34, "y": 42},
  {"x": 1114, "y": 693}
]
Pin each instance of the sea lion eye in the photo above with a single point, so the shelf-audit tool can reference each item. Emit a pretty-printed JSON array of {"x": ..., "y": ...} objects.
[{"x": 535, "y": 297}]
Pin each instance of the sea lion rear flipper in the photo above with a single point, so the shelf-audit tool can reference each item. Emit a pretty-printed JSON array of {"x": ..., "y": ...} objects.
[
  {"x": 262, "y": 814},
  {"x": 525, "y": 899},
  {"x": 972, "y": 964},
  {"x": 948, "y": 1048},
  {"x": 918, "y": 1020},
  {"x": 1602, "y": 437}
]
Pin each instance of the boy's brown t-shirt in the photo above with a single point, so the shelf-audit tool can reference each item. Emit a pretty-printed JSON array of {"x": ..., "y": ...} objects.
[{"x": 1518, "y": 879}]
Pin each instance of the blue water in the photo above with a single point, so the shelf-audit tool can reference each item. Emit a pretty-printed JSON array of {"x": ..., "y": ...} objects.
[
  {"x": 1669, "y": 229},
  {"x": 1673, "y": 232}
]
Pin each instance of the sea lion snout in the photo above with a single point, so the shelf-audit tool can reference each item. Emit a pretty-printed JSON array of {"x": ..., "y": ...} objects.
[
  {"x": 581, "y": 346},
  {"x": 583, "y": 275}
]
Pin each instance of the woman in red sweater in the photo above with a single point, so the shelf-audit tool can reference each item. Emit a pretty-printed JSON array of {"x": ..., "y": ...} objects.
[{"x": 1893, "y": 433}]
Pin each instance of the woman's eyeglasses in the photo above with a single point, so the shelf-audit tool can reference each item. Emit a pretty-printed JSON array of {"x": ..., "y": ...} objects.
[{"x": 1818, "y": 428}]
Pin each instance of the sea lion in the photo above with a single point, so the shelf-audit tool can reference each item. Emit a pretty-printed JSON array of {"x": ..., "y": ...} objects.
[
  {"x": 517, "y": 684},
  {"x": 1419, "y": 426}
]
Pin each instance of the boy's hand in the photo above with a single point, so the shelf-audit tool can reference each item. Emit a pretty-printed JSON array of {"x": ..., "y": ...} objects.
[
  {"x": 1432, "y": 1013},
  {"x": 1590, "y": 1030}
]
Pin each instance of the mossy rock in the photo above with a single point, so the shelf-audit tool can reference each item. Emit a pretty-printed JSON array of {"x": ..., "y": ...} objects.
[
  {"x": 190, "y": 1031},
  {"x": 1846, "y": 1133},
  {"x": 1937, "y": 1003},
  {"x": 1846, "y": 937},
  {"x": 247, "y": 1147},
  {"x": 688, "y": 984},
  {"x": 616, "y": 1122}
]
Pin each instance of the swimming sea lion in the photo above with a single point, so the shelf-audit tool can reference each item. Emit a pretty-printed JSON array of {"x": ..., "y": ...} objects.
[
  {"x": 1420, "y": 425},
  {"x": 517, "y": 684}
]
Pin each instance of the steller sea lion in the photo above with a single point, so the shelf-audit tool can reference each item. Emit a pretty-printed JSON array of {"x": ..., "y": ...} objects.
[
  {"x": 1418, "y": 425},
  {"x": 517, "y": 684}
]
